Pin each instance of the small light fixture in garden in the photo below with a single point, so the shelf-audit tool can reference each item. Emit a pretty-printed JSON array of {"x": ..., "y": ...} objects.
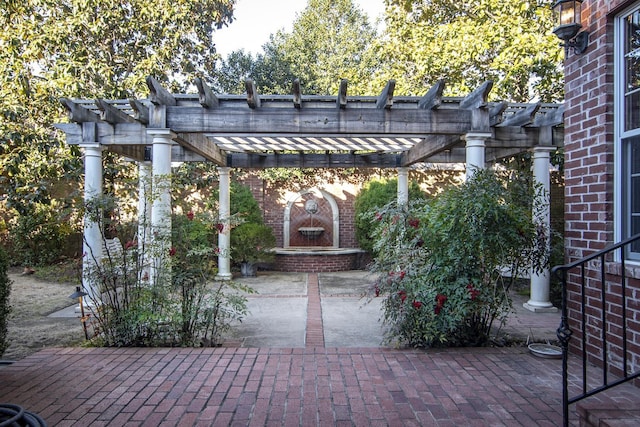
[
  {"x": 79, "y": 294},
  {"x": 568, "y": 14}
]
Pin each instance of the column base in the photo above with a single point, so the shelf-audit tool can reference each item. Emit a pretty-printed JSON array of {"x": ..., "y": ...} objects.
[
  {"x": 224, "y": 276},
  {"x": 540, "y": 309}
]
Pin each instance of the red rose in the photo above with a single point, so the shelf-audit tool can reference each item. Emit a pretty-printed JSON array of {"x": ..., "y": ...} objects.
[
  {"x": 414, "y": 222},
  {"x": 220, "y": 227},
  {"x": 417, "y": 305},
  {"x": 378, "y": 216},
  {"x": 190, "y": 215},
  {"x": 472, "y": 291},
  {"x": 402, "y": 274},
  {"x": 130, "y": 244},
  {"x": 377, "y": 291},
  {"x": 172, "y": 251},
  {"x": 402, "y": 295}
]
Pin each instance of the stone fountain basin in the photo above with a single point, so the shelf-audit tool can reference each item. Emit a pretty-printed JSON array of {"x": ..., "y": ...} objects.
[{"x": 311, "y": 232}]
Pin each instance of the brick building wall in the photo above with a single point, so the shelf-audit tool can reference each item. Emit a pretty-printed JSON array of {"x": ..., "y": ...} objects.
[{"x": 589, "y": 180}]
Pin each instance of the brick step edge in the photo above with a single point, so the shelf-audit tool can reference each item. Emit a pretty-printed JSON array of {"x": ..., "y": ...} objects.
[{"x": 609, "y": 414}]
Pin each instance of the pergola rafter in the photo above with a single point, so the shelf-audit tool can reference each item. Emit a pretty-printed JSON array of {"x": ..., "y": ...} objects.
[{"x": 261, "y": 131}]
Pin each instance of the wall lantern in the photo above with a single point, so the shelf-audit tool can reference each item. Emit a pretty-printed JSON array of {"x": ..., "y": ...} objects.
[{"x": 568, "y": 14}]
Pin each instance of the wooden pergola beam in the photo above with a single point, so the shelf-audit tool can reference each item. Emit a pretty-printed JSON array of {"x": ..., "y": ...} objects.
[
  {"x": 477, "y": 98},
  {"x": 522, "y": 117},
  {"x": 323, "y": 122},
  {"x": 200, "y": 144},
  {"x": 428, "y": 147},
  {"x": 141, "y": 111},
  {"x": 253, "y": 99},
  {"x": 207, "y": 98},
  {"x": 385, "y": 99},
  {"x": 111, "y": 114},
  {"x": 433, "y": 98},
  {"x": 158, "y": 95},
  {"x": 78, "y": 113},
  {"x": 313, "y": 160},
  {"x": 297, "y": 94},
  {"x": 342, "y": 94}
]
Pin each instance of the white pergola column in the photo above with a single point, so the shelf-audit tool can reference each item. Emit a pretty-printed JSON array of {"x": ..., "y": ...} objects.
[
  {"x": 93, "y": 240},
  {"x": 475, "y": 156},
  {"x": 144, "y": 215},
  {"x": 540, "y": 282},
  {"x": 161, "y": 202},
  {"x": 403, "y": 186},
  {"x": 224, "y": 259}
]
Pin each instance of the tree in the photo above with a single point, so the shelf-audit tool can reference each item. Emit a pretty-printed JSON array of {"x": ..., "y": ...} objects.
[
  {"x": 330, "y": 41},
  {"x": 90, "y": 49},
  {"x": 467, "y": 43}
]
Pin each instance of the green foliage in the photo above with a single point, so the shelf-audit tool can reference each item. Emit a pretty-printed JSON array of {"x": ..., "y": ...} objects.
[
  {"x": 441, "y": 262},
  {"x": 85, "y": 49},
  {"x": 330, "y": 41},
  {"x": 251, "y": 242},
  {"x": 374, "y": 195},
  {"x": 38, "y": 237},
  {"x": 5, "y": 307},
  {"x": 177, "y": 302},
  {"x": 467, "y": 43}
]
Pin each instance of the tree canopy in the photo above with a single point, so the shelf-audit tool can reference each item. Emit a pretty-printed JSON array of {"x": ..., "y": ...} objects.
[
  {"x": 330, "y": 41},
  {"x": 85, "y": 48},
  {"x": 467, "y": 43}
]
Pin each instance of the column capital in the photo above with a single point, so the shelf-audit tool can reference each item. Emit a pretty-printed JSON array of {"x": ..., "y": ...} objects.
[
  {"x": 543, "y": 149},
  {"x": 476, "y": 136},
  {"x": 93, "y": 146},
  {"x": 164, "y": 133}
]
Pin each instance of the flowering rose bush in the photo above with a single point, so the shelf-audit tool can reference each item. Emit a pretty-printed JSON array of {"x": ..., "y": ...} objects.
[
  {"x": 179, "y": 302},
  {"x": 440, "y": 262}
]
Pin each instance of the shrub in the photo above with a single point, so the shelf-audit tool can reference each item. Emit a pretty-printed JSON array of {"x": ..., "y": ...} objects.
[
  {"x": 374, "y": 195},
  {"x": 182, "y": 304},
  {"x": 251, "y": 242},
  {"x": 38, "y": 237},
  {"x": 5, "y": 308},
  {"x": 440, "y": 262}
]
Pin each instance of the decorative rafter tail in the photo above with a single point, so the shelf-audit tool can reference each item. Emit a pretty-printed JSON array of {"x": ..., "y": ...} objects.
[
  {"x": 385, "y": 100},
  {"x": 111, "y": 114},
  {"x": 522, "y": 117},
  {"x": 159, "y": 95},
  {"x": 477, "y": 98},
  {"x": 141, "y": 111},
  {"x": 253, "y": 99},
  {"x": 433, "y": 98},
  {"x": 342, "y": 94},
  {"x": 552, "y": 118},
  {"x": 207, "y": 98},
  {"x": 78, "y": 113},
  {"x": 297, "y": 93}
]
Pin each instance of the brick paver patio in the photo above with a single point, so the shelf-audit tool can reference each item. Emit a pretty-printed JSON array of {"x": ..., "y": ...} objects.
[{"x": 306, "y": 386}]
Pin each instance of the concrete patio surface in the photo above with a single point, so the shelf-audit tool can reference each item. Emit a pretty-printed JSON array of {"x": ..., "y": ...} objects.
[{"x": 309, "y": 354}]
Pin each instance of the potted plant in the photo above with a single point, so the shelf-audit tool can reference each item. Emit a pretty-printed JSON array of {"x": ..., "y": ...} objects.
[{"x": 251, "y": 243}]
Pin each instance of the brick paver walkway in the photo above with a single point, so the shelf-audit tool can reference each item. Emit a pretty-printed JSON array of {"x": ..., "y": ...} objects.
[
  {"x": 306, "y": 386},
  {"x": 250, "y": 386}
]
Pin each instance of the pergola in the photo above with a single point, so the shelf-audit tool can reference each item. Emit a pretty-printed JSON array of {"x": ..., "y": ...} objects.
[{"x": 306, "y": 131}]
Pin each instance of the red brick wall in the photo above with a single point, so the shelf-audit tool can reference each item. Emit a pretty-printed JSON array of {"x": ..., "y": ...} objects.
[
  {"x": 319, "y": 263},
  {"x": 589, "y": 178}
]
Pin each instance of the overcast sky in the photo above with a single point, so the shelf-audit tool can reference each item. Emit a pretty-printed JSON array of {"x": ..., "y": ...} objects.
[{"x": 255, "y": 20}]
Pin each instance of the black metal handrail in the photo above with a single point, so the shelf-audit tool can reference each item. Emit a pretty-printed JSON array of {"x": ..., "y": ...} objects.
[{"x": 564, "y": 332}]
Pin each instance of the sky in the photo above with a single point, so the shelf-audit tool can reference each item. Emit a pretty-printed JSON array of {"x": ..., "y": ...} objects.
[{"x": 255, "y": 20}]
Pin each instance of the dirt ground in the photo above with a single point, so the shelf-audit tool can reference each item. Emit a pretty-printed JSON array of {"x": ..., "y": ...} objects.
[{"x": 32, "y": 300}]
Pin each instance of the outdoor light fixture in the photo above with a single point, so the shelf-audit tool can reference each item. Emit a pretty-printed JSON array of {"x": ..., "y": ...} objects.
[
  {"x": 79, "y": 293},
  {"x": 568, "y": 14}
]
